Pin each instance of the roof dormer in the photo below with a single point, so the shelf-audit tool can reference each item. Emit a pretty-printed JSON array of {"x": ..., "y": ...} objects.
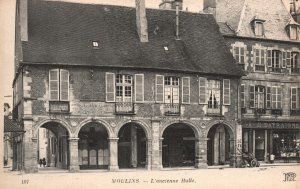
[
  {"x": 257, "y": 25},
  {"x": 293, "y": 30}
]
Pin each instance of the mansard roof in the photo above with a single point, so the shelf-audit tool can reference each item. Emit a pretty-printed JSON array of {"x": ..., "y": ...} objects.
[
  {"x": 239, "y": 17},
  {"x": 63, "y": 33}
]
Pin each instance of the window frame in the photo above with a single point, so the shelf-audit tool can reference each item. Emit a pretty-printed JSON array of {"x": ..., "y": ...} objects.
[{"x": 59, "y": 85}]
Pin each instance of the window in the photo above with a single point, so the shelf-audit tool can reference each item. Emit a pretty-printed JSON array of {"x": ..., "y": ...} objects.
[
  {"x": 295, "y": 98},
  {"x": 243, "y": 104},
  {"x": 213, "y": 98},
  {"x": 259, "y": 57},
  {"x": 257, "y": 96},
  {"x": 59, "y": 85},
  {"x": 226, "y": 92},
  {"x": 123, "y": 88},
  {"x": 276, "y": 97},
  {"x": 268, "y": 98},
  {"x": 239, "y": 54},
  {"x": 275, "y": 60},
  {"x": 120, "y": 88},
  {"x": 295, "y": 63},
  {"x": 171, "y": 90},
  {"x": 294, "y": 32},
  {"x": 259, "y": 28},
  {"x": 95, "y": 44}
]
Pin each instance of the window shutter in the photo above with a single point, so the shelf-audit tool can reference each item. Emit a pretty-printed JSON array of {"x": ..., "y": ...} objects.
[
  {"x": 279, "y": 97},
  {"x": 64, "y": 85},
  {"x": 251, "y": 96},
  {"x": 186, "y": 90},
  {"x": 54, "y": 84},
  {"x": 159, "y": 83},
  {"x": 110, "y": 87},
  {"x": 243, "y": 96},
  {"x": 256, "y": 55},
  {"x": 242, "y": 61},
  {"x": 237, "y": 54},
  {"x": 139, "y": 87},
  {"x": 294, "y": 98},
  {"x": 226, "y": 92},
  {"x": 284, "y": 59},
  {"x": 268, "y": 98},
  {"x": 288, "y": 59},
  {"x": 274, "y": 97},
  {"x": 202, "y": 90},
  {"x": 269, "y": 58}
]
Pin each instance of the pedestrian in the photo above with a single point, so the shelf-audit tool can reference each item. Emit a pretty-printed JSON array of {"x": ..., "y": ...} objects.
[
  {"x": 44, "y": 162},
  {"x": 41, "y": 162}
]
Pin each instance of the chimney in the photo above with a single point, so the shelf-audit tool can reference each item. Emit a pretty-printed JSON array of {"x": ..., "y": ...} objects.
[
  {"x": 177, "y": 3},
  {"x": 141, "y": 20},
  {"x": 292, "y": 7},
  {"x": 23, "y": 18}
]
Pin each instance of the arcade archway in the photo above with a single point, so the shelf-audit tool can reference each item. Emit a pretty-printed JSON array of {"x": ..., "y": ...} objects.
[{"x": 178, "y": 146}]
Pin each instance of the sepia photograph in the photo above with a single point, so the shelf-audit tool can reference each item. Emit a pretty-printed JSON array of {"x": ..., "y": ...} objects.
[{"x": 150, "y": 94}]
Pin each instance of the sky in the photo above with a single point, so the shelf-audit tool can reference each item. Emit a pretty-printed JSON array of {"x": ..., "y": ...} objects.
[{"x": 7, "y": 19}]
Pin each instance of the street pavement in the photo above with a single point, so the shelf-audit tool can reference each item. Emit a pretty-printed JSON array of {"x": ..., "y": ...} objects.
[{"x": 273, "y": 177}]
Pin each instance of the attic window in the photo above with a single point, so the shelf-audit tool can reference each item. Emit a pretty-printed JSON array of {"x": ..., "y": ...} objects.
[
  {"x": 294, "y": 33},
  {"x": 166, "y": 48},
  {"x": 95, "y": 44},
  {"x": 258, "y": 26}
]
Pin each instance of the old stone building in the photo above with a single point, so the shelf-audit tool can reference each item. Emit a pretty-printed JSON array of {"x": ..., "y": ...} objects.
[
  {"x": 265, "y": 41},
  {"x": 121, "y": 87}
]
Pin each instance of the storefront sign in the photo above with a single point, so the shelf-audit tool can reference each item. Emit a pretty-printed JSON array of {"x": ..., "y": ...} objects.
[{"x": 268, "y": 125}]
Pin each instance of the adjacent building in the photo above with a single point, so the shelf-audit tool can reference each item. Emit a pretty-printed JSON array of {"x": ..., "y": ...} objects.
[
  {"x": 122, "y": 87},
  {"x": 265, "y": 41}
]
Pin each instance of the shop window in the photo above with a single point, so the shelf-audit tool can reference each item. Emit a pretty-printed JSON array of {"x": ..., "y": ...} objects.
[{"x": 286, "y": 144}]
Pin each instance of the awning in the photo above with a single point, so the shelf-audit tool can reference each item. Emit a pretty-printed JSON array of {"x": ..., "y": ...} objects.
[{"x": 11, "y": 126}]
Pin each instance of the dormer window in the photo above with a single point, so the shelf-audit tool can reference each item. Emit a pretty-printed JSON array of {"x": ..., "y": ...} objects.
[
  {"x": 258, "y": 26},
  {"x": 293, "y": 30},
  {"x": 166, "y": 48}
]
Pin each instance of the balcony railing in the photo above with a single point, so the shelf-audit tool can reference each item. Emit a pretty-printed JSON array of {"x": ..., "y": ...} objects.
[
  {"x": 214, "y": 111},
  {"x": 59, "y": 106},
  {"x": 260, "y": 68},
  {"x": 276, "y": 112},
  {"x": 295, "y": 70},
  {"x": 172, "y": 109},
  {"x": 259, "y": 111},
  {"x": 124, "y": 108},
  {"x": 276, "y": 70},
  {"x": 295, "y": 112}
]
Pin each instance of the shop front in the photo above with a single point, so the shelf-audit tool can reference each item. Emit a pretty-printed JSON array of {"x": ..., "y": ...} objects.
[{"x": 272, "y": 141}]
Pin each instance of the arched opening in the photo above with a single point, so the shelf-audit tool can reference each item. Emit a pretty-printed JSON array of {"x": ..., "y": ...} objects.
[
  {"x": 218, "y": 145},
  {"x": 178, "y": 146},
  {"x": 93, "y": 151},
  {"x": 53, "y": 146},
  {"x": 132, "y": 146}
]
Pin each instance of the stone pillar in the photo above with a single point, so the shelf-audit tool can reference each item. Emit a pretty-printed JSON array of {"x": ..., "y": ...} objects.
[
  {"x": 239, "y": 146},
  {"x": 149, "y": 154},
  {"x": 113, "y": 154},
  {"x": 30, "y": 148},
  {"x": 271, "y": 142},
  {"x": 133, "y": 146},
  {"x": 253, "y": 140},
  {"x": 201, "y": 153},
  {"x": 156, "y": 163},
  {"x": 266, "y": 147},
  {"x": 232, "y": 152},
  {"x": 73, "y": 151}
]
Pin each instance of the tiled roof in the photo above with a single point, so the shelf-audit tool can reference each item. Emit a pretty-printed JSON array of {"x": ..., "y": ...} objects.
[
  {"x": 11, "y": 126},
  {"x": 225, "y": 28},
  {"x": 62, "y": 33}
]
